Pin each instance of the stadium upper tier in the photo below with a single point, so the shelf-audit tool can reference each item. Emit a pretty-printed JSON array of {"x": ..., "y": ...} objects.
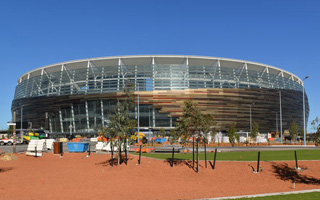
[{"x": 151, "y": 72}]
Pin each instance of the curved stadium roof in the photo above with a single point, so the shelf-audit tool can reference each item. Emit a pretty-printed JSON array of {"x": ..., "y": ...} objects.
[{"x": 162, "y": 59}]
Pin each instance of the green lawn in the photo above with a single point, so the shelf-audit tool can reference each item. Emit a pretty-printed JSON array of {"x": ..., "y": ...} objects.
[
  {"x": 303, "y": 196},
  {"x": 245, "y": 155}
]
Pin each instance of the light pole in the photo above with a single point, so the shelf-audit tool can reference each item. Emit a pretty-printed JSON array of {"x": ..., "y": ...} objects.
[
  {"x": 21, "y": 133},
  {"x": 149, "y": 116},
  {"x": 276, "y": 123},
  {"x": 13, "y": 123},
  {"x": 280, "y": 117},
  {"x": 138, "y": 113},
  {"x": 250, "y": 119},
  {"x": 304, "y": 112}
]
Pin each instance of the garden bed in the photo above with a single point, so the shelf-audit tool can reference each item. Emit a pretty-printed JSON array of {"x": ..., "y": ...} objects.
[{"x": 74, "y": 176}]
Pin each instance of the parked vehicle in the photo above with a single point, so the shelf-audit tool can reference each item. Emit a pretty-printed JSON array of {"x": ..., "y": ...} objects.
[{"x": 8, "y": 142}]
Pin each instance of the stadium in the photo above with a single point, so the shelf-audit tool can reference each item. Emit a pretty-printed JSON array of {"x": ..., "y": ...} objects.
[{"x": 80, "y": 95}]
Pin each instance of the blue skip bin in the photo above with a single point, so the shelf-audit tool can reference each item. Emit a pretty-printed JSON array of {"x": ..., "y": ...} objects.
[
  {"x": 160, "y": 140},
  {"x": 78, "y": 146}
]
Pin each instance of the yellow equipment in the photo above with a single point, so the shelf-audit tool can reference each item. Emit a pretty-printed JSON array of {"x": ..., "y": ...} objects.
[{"x": 135, "y": 136}]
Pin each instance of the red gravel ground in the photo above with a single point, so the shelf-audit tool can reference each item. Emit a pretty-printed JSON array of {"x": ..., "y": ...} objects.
[{"x": 76, "y": 177}]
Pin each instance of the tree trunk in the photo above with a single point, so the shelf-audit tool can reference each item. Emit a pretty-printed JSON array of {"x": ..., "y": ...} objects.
[
  {"x": 193, "y": 151},
  {"x": 111, "y": 146},
  {"x": 119, "y": 151},
  {"x": 197, "y": 154}
]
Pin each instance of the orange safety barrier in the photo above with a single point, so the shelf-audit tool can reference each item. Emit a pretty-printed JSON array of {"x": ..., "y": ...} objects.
[
  {"x": 143, "y": 150},
  {"x": 76, "y": 140},
  {"x": 102, "y": 139}
]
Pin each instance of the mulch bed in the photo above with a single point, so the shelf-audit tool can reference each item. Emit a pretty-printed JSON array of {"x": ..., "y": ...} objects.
[{"x": 74, "y": 176}]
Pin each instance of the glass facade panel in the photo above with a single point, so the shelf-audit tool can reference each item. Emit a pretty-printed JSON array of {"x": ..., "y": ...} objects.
[
  {"x": 93, "y": 80},
  {"x": 162, "y": 119},
  {"x": 80, "y": 116},
  {"x": 94, "y": 112}
]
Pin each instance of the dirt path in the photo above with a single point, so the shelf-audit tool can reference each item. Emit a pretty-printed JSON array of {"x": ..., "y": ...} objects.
[{"x": 76, "y": 177}]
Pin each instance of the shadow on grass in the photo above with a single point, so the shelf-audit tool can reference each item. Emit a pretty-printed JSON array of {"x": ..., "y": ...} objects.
[
  {"x": 5, "y": 169},
  {"x": 114, "y": 161},
  {"x": 285, "y": 173}
]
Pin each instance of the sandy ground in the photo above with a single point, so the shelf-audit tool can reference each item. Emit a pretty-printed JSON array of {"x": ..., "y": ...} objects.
[{"x": 76, "y": 177}]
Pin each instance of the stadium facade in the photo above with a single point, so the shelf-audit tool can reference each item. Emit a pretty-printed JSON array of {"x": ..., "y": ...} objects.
[{"x": 80, "y": 95}]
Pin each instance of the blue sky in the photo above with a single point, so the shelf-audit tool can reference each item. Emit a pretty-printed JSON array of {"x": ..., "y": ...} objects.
[{"x": 282, "y": 33}]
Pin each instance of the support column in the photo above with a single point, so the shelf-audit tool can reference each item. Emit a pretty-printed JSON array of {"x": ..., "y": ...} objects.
[
  {"x": 153, "y": 73},
  {"x": 27, "y": 86},
  {"x": 102, "y": 77},
  {"x": 188, "y": 74},
  {"x": 170, "y": 77},
  {"x": 268, "y": 77},
  {"x": 32, "y": 87},
  {"x": 259, "y": 79},
  {"x": 73, "y": 121},
  {"x": 247, "y": 74},
  {"x": 136, "y": 89},
  {"x": 60, "y": 81},
  {"x": 102, "y": 113},
  {"x": 220, "y": 76},
  {"x": 204, "y": 77},
  {"x": 87, "y": 115},
  {"x": 60, "y": 118},
  {"x": 50, "y": 124},
  {"x": 118, "y": 82},
  {"x": 73, "y": 82},
  {"x": 283, "y": 82},
  {"x": 95, "y": 113},
  {"x": 214, "y": 68},
  {"x": 235, "y": 78},
  {"x": 153, "y": 118},
  {"x": 277, "y": 82},
  {"x": 87, "y": 78}
]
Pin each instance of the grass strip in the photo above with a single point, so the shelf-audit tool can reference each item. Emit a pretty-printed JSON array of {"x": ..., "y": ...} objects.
[
  {"x": 302, "y": 196},
  {"x": 245, "y": 155}
]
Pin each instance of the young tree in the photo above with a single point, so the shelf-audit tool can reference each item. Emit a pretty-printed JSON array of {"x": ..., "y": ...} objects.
[
  {"x": 301, "y": 133},
  {"x": 232, "y": 134},
  {"x": 10, "y": 129},
  {"x": 120, "y": 125},
  {"x": 189, "y": 123},
  {"x": 315, "y": 125},
  {"x": 293, "y": 130},
  {"x": 162, "y": 132},
  {"x": 192, "y": 123},
  {"x": 173, "y": 136},
  {"x": 208, "y": 126},
  {"x": 254, "y": 131}
]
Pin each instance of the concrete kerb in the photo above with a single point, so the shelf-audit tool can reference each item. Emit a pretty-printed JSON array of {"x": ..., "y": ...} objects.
[{"x": 263, "y": 195}]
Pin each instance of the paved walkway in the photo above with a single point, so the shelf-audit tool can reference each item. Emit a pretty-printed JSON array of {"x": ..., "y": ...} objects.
[{"x": 23, "y": 147}]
